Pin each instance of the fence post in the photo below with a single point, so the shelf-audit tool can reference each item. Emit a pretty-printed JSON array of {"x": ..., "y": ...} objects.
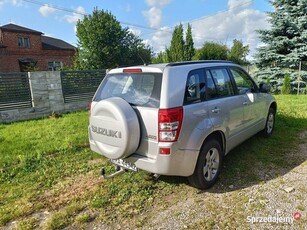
[
  {"x": 39, "y": 91},
  {"x": 299, "y": 77}
]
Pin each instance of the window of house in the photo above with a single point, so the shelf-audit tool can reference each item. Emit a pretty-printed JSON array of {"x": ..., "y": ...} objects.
[
  {"x": 24, "y": 42},
  {"x": 55, "y": 65}
]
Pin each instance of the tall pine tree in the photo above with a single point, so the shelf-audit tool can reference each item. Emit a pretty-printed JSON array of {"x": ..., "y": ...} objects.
[
  {"x": 189, "y": 49},
  {"x": 286, "y": 40},
  {"x": 176, "y": 50}
]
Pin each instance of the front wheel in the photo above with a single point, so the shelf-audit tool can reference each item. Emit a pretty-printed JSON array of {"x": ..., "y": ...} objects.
[
  {"x": 270, "y": 123},
  {"x": 208, "y": 165}
]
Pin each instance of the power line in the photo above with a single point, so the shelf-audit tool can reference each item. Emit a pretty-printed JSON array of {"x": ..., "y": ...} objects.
[
  {"x": 54, "y": 7},
  {"x": 222, "y": 11},
  {"x": 208, "y": 16},
  {"x": 168, "y": 30},
  {"x": 84, "y": 14}
]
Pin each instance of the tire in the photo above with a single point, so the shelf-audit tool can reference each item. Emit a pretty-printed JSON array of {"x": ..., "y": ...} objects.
[
  {"x": 269, "y": 124},
  {"x": 208, "y": 165},
  {"x": 114, "y": 128}
]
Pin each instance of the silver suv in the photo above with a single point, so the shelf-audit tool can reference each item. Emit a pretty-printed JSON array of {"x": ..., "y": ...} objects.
[{"x": 178, "y": 118}]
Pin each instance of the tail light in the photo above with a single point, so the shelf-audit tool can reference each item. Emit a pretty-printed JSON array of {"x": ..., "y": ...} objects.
[{"x": 170, "y": 121}]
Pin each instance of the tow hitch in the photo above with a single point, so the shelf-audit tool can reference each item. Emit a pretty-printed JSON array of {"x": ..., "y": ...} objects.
[{"x": 119, "y": 170}]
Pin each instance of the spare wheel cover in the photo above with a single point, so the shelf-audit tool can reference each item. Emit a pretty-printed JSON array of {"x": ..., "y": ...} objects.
[{"x": 115, "y": 128}]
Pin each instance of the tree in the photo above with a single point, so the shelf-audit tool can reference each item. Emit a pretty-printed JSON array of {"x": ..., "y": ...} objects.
[
  {"x": 180, "y": 49},
  {"x": 134, "y": 51},
  {"x": 286, "y": 87},
  {"x": 286, "y": 40},
  {"x": 189, "y": 50},
  {"x": 99, "y": 38},
  {"x": 212, "y": 51},
  {"x": 160, "y": 58},
  {"x": 104, "y": 44},
  {"x": 238, "y": 52},
  {"x": 176, "y": 50}
]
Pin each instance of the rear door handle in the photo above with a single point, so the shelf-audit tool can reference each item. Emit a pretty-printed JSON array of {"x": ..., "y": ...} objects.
[{"x": 216, "y": 110}]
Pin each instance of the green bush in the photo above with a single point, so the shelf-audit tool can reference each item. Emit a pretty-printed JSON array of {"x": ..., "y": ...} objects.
[{"x": 286, "y": 87}]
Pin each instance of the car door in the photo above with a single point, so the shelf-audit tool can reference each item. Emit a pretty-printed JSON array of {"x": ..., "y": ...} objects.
[
  {"x": 195, "y": 110},
  {"x": 254, "y": 103},
  {"x": 224, "y": 106}
]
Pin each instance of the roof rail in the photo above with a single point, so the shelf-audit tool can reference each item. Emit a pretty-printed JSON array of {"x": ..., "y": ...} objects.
[{"x": 198, "y": 62}]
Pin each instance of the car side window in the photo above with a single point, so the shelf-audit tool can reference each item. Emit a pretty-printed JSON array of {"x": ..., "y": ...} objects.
[
  {"x": 195, "y": 87},
  {"x": 243, "y": 82},
  {"x": 218, "y": 83}
]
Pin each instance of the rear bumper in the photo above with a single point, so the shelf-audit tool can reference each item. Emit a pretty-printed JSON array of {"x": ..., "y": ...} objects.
[{"x": 179, "y": 163}]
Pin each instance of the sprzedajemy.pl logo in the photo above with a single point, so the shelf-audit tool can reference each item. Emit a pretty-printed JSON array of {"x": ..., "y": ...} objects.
[{"x": 274, "y": 219}]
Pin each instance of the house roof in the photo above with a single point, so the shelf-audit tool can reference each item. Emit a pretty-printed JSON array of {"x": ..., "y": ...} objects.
[
  {"x": 16, "y": 28},
  {"x": 54, "y": 43},
  {"x": 47, "y": 42}
]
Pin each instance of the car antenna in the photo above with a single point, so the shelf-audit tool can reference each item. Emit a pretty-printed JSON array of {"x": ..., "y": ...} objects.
[{"x": 142, "y": 59}]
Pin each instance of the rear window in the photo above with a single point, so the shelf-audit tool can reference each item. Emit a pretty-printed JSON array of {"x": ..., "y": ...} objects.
[{"x": 140, "y": 89}]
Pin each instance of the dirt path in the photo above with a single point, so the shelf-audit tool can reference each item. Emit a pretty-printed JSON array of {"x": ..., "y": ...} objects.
[{"x": 268, "y": 205}]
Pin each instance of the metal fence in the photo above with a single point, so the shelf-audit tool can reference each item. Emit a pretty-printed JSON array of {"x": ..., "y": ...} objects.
[
  {"x": 14, "y": 91},
  {"x": 80, "y": 85}
]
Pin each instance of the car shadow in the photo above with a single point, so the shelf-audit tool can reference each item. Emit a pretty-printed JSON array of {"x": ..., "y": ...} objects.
[{"x": 259, "y": 159}]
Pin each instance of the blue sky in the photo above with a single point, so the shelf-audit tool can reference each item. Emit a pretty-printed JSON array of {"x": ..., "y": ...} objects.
[{"x": 152, "y": 20}]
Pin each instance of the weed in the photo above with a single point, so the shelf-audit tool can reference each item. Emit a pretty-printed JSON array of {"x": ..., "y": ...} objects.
[
  {"x": 28, "y": 224},
  {"x": 84, "y": 217},
  {"x": 64, "y": 217}
]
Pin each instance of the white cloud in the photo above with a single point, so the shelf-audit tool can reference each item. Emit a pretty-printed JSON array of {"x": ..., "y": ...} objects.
[
  {"x": 233, "y": 24},
  {"x": 160, "y": 39},
  {"x": 154, "y": 17},
  {"x": 45, "y": 10},
  {"x": 13, "y": 2},
  {"x": 158, "y": 3},
  {"x": 237, "y": 5},
  {"x": 240, "y": 22},
  {"x": 16, "y": 2},
  {"x": 80, "y": 12},
  {"x": 135, "y": 31},
  {"x": 1, "y": 3},
  {"x": 127, "y": 8}
]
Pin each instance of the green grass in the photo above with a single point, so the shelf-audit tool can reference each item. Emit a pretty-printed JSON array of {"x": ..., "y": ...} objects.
[{"x": 47, "y": 165}]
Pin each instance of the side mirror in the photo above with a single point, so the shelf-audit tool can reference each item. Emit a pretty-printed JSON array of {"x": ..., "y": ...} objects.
[{"x": 264, "y": 88}]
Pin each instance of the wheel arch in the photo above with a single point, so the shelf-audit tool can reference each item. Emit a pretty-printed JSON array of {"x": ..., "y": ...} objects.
[
  {"x": 273, "y": 105},
  {"x": 219, "y": 136}
]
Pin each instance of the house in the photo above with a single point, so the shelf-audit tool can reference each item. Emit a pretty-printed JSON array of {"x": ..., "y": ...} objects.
[{"x": 23, "y": 49}]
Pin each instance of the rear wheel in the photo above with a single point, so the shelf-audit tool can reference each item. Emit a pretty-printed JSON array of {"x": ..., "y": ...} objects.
[
  {"x": 208, "y": 165},
  {"x": 270, "y": 123}
]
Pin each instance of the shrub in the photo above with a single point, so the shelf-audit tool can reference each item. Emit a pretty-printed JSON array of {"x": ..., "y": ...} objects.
[{"x": 286, "y": 87}]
